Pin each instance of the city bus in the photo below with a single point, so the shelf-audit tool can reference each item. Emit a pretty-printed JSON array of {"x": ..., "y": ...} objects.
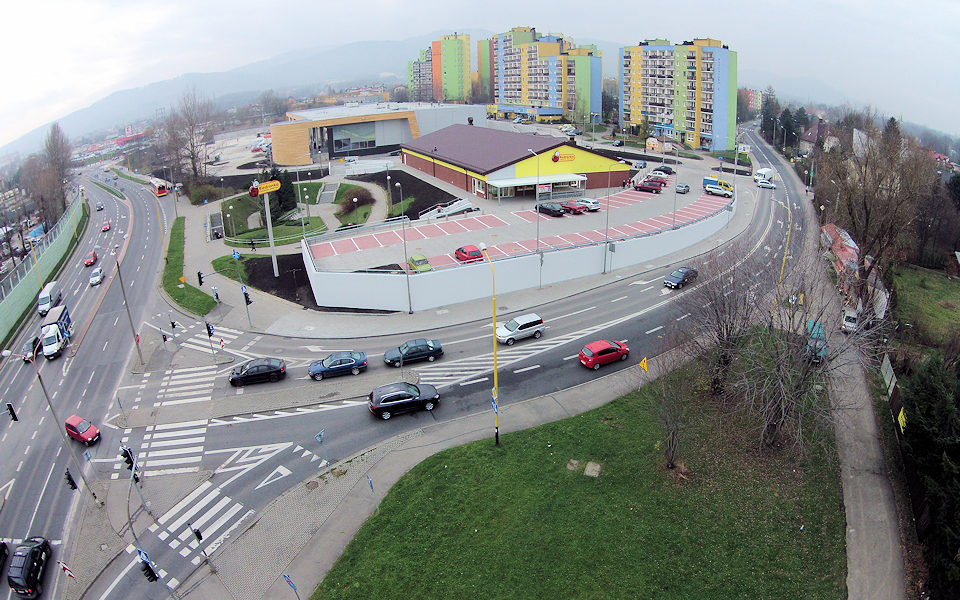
[{"x": 159, "y": 187}]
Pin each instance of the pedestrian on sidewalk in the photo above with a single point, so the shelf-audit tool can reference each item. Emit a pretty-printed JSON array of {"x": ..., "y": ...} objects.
[{"x": 253, "y": 245}]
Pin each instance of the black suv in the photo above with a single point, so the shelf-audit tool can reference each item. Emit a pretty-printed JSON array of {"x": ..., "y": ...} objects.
[
  {"x": 393, "y": 398},
  {"x": 27, "y": 566}
]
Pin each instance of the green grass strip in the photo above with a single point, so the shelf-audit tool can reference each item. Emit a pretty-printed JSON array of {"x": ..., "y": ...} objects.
[
  {"x": 109, "y": 189},
  {"x": 184, "y": 294}
]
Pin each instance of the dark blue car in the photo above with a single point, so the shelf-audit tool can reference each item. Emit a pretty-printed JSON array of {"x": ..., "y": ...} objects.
[{"x": 338, "y": 363}]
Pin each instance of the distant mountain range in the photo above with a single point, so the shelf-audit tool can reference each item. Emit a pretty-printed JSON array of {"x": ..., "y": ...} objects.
[{"x": 309, "y": 70}]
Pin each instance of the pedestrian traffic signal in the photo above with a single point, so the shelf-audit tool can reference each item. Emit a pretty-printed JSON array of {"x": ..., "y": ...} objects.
[
  {"x": 148, "y": 572},
  {"x": 69, "y": 479},
  {"x": 127, "y": 456},
  {"x": 200, "y": 277},
  {"x": 246, "y": 296},
  {"x": 209, "y": 329},
  {"x": 164, "y": 337},
  {"x": 13, "y": 413}
]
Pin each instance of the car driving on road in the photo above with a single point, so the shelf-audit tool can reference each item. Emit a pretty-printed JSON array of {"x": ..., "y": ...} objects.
[
  {"x": 106, "y": 226},
  {"x": 602, "y": 352},
  {"x": 96, "y": 276},
  {"x": 257, "y": 370},
  {"x": 763, "y": 183},
  {"x": 350, "y": 362},
  {"x": 394, "y": 398},
  {"x": 90, "y": 259},
  {"x": 412, "y": 351},
  {"x": 680, "y": 278},
  {"x": 82, "y": 430}
]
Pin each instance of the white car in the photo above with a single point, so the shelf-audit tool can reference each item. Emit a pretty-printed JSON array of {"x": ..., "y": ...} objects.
[
  {"x": 592, "y": 204},
  {"x": 716, "y": 190},
  {"x": 96, "y": 277},
  {"x": 763, "y": 183}
]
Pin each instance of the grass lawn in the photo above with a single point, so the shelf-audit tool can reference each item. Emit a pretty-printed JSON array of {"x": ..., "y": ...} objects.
[
  {"x": 478, "y": 521},
  {"x": 728, "y": 157},
  {"x": 310, "y": 191},
  {"x": 228, "y": 266},
  {"x": 123, "y": 175},
  {"x": 109, "y": 189},
  {"x": 314, "y": 226},
  {"x": 345, "y": 193},
  {"x": 184, "y": 294},
  {"x": 928, "y": 297},
  {"x": 243, "y": 207}
]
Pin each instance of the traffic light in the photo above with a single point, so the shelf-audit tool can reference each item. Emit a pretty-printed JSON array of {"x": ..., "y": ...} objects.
[
  {"x": 13, "y": 413},
  {"x": 200, "y": 277},
  {"x": 148, "y": 572},
  {"x": 127, "y": 456},
  {"x": 164, "y": 337},
  {"x": 196, "y": 532},
  {"x": 69, "y": 479},
  {"x": 246, "y": 296},
  {"x": 209, "y": 329}
]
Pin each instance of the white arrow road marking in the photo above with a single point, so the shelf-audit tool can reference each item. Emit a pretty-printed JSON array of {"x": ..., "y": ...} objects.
[
  {"x": 9, "y": 487},
  {"x": 246, "y": 459},
  {"x": 278, "y": 474},
  {"x": 314, "y": 349}
]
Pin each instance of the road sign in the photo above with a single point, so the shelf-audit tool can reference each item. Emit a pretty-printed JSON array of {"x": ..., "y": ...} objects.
[
  {"x": 183, "y": 279},
  {"x": 269, "y": 186},
  {"x": 493, "y": 401},
  {"x": 63, "y": 567},
  {"x": 222, "y": 345},
  {"x": 290, "y": 583},
  {"x": 138, "y": 338},
  {"x": 319, "y": 436},
  {"x": 236, "y": 255},
  {"x": 243, "y": 289},
  {"x": 643, "y": 364},
  {"x": 143, "y": 556},
  {"x": 86, "y": 456}
]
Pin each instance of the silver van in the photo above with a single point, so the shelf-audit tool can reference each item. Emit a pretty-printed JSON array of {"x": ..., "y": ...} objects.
[
  {"x": 521, "y": 327},
  {"x": 49, "y": 297}
]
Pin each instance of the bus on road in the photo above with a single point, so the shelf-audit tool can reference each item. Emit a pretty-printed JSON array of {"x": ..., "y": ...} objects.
[{"x": 159, "y": 187}]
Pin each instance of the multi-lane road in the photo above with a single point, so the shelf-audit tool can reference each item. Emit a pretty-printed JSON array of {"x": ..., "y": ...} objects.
[{"x": 254, "y": 454}]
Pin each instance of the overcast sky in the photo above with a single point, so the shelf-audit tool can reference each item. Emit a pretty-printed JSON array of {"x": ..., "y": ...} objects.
[{"x": 63, "y": 55}]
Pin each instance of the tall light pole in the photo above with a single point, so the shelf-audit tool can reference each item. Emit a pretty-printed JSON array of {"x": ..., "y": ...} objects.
[
  {"x": 136, "y": 338},
  {"x": 606, "y": 231},
  {"x": 406, "y": 270},
  {"x": 494, "y": 399},
  {"x": 56, "y": 420},
  {"x": 536, "y": 210},
  {"x": 303, "y": 228},
  {"x": 677, "y": 171}
]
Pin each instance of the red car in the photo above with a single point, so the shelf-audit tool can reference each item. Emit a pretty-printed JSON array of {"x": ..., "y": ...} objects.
[
  {"x": 602, "y": 352},
  {"x": 655, "y": 179},
  {"x": 106, "y": 226},
  {"x": 469, "y": 254},
  {"x": 91, "y": 259},
  {"x": 647, "y": 186},
  {"x": 82, "y": 430},
  {"x": 573, "y": 207}
]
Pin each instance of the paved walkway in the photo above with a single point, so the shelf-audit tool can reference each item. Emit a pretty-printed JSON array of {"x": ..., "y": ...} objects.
[{"x": 327, "y": 516}]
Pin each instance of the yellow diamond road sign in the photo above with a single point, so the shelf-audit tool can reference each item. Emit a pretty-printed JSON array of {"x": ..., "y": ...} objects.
[
  {"x": 643, "y": 364},
  {"x": 269, "y": 186}
]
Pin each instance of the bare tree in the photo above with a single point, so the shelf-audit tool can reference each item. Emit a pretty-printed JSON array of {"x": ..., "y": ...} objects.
[
  {"x": 41, "y": 185},
  {"x": 56, "y": 156},
  {"x": 670, "y": 393},
  {"x": 185, "y": 131}
]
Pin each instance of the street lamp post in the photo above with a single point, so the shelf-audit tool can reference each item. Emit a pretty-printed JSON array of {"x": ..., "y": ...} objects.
[
  {"x": 406, "y": 269},
  {"x": 56, "y": 420},
  {"x": 537, "y": 198},
  {"x": 606, "y": 231},
  {"x": 677, "y": 171},
  {"x": 136, "y": 338},
  {"x": 494, "y": 399},
  {"x": 303, "y": 228}
]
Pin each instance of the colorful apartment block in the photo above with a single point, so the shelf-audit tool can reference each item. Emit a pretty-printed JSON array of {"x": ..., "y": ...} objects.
[
  {"x": 754, "y": 100},
  {"x": 442, "y": 73},
  {"x": 542, "y": 76},
  {"x": 687, "y": 92}
]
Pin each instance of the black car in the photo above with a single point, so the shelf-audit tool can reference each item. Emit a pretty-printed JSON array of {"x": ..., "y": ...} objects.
[
  {"x": 257, "y": 370},
  {"x": 414, "y": 350},
  {"x": 394, "y": 398},
  {"x": 27, "y": 567},
  {"x": 3, "y": 553},
  {"x": 664, "y": 169},
  {"x": 617, "y": 142},
  {"x": 551, "y": 208},
  {"x": 31, "y": 348},
  {"x": 338, "y": 363},
  {"x": 680, "y": 278}
]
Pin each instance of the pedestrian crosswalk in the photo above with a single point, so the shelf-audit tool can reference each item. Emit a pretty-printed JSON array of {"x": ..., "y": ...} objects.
[
  {"x": 205, "y": 509},
  {"x": 168, "y": 449},
  {"x": 184, "y": 386},
  {"x": 201, "y": 342}
]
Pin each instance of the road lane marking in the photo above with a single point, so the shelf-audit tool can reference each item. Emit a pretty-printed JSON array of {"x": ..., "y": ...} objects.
[
  {"x": 473, "y": 381},
  {"x": 527, "y": 369},
  {"x": 655, "y": 330}
]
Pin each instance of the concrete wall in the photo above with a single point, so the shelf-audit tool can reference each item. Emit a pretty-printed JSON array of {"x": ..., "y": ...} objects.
[
  {"x": 22, "y": 287},
  {"x": 388, "y": 291}
]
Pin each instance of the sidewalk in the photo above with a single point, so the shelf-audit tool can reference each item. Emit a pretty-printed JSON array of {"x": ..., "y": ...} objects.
[{"x": 303, "y": 532}]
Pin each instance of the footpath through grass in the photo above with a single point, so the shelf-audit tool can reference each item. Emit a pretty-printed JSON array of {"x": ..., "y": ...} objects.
[
  {"x": 184, "y": 294},
  {"x": 514, "y": 522}
]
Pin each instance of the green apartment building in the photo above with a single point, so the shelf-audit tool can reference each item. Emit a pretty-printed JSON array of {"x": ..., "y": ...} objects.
[{"x": 442, "y": 73}]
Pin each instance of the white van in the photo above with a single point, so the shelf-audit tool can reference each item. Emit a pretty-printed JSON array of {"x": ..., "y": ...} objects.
[
  {"x": 49, "y": 297},
  {"x": 764, "y": 174}
]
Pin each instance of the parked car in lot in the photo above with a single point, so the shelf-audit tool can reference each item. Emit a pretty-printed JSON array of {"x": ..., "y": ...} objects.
[
  {"x": 647, "y": 186},
  {"x": 517, "y": 120},
  {"x": 769, "y": 185},
  {"x": 82, "y": 430},
  {"x": 602, "y": 352},
  {"x": 28, "y": 564},
  {"x": 349, "y": 362},
  {"x": 394, "y": 398},
  {"x": 573, "y": 207},
  {"x": 664, "y": 169},
  {"x": 592, "y": 204},
  {"x": 90, "y": 259},
  {"x": 716, "y": 190},
  {"x": 419, "y": 264},
  {"x": 106, "y": 226},
  {"x": 257, "y": 370},
  {"x": 468, "y": 254},
  {"x": 682, "y": 188},
  {"x": 655, "y": 178},
  {"x": 96, "y": 276},
  {"x": 412, "y": 351},
  {"x": 680, "y": 278},
  {"x": 521, "y": 327},
  {"x": 550, "y": 208}
]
